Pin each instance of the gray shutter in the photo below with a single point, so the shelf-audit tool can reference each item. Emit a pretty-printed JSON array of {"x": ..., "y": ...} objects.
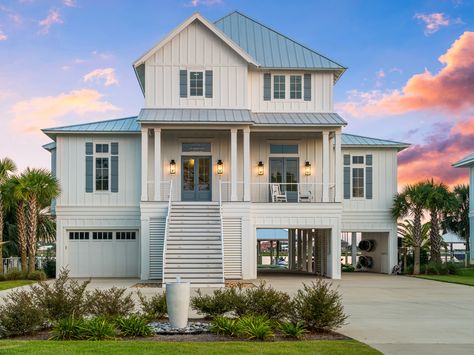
[
  {"x": 89, "y": 173},
  {"x": 368, "y": 159},
  {"x": 183, "y": 83},
  {"x": 114, "y": 169},
  {"x": 267, "y": 86},
  {"x": 89, "y": 148},
  {"x": 347, "y": 176},
  {"x": 307, "y": 87},
  {"x": 368, "y": 177},
  {"x": 209, "y": 83},
  {"x": 114, "y": 148}
]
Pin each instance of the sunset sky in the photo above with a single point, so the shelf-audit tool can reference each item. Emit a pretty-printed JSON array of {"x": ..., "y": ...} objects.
[{"x": 410, "y": 76}]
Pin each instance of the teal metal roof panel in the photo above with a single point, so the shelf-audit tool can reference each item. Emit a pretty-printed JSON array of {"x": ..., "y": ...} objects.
[
  {"x": 123, "y": 125},
  {"x": 271, "y": 49},
  {"x": 465, "y": 162},
  {"x": 354, "y": 140},
  {"x": 299, "y": 118}
]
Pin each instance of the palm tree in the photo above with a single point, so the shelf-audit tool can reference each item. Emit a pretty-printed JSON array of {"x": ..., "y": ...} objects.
[
  {"x": 412, "y": 201},
  {"x": 405, "y": 230},
  {"x": 457, "y": 219},
  {"x": 46, "y": 232},
  {"x": 440, "y": 201},
  {"x": 38, "y": 187},
  {"x": 7, "y": 167}
]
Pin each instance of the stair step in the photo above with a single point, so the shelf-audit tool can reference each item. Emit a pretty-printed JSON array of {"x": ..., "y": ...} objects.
[
  {"x": 193, "y": 242},
  {"x": 191, "y": 275},
  {"x": 197, "y": 234},
  {"x": 189, "y": 265},
  {"x": 178, "y": 257},
  {"x": 195, "y": 238}
]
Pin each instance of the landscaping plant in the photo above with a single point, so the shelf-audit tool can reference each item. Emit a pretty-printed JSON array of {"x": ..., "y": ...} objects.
[
  {"x": 110, "y": 303},
  {"x": 14, "y": 274},
  {"x": 37, "y": 275},
  {"x": 134, "y": 326},
  {"x": 97, "y": 329},
  {"x": 225, "y": 326},
  {"x": 70, "y": 328},
  {"x": 255, "y": 327},
  {"x": 153, "y": 308},
  {"x": 293, "y": 330},
  {"x": 219, "y": 303}
]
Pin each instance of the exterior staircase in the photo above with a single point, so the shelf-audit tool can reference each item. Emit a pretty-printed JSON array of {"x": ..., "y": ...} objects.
[{"x": 193, "y": 249}]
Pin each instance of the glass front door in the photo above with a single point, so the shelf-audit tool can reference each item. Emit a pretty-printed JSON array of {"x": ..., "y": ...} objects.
[
  {"x": 196, "y": 179},
  {"x": 285, "y": 172}
]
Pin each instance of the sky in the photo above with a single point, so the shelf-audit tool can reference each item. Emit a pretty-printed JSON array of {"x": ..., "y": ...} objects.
[{"x": 410, "y": 65}]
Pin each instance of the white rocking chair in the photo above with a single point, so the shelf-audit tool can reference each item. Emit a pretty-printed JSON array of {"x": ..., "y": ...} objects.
[
  {"x": 277, "y": 195},
  {"x": 305, "y": 196}
]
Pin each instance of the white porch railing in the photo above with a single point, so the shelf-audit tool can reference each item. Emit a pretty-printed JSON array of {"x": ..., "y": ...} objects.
[
  {"x": 269, "y": 192},
  {"x": 222, "y": 231},
  {"x": 165, "y": 238}
]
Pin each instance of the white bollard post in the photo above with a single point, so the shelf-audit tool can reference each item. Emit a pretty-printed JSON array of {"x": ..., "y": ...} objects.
[{"x": 177, "y": 301}]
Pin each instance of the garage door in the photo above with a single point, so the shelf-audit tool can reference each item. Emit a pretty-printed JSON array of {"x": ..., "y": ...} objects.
[{"x": 102, "y": 253}]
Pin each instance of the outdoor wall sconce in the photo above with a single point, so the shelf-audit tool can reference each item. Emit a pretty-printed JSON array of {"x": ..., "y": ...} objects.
[
  {"x": 260, "y": 168},
  {"x": 307, "y": 168},
  {"x": 220, "y": 167},
  {"x": 172, "y": 167}
]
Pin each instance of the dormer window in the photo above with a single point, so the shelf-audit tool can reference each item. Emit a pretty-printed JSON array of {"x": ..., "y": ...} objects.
[{"x": 196, "y": 83}]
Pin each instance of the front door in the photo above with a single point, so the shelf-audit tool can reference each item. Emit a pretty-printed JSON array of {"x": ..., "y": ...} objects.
[
  {"x": 285, "y": 172},
  {"x": 196, "y": 179}
]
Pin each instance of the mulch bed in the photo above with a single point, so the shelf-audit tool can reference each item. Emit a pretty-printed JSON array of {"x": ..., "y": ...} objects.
[
  {"x": 148, "y": 285},
  {"x": 243, "y": 284}
]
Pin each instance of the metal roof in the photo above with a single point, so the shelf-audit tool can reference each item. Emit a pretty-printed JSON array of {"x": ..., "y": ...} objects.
[
  {"x": 299, "y": 118},
  {"x": 271, "y": 49},
  {"x": 349, "y": 140},
  {"x": 465, "y": 162},
  {"x": 118, "y": 125},
  {"x": 49, "y": 146}
]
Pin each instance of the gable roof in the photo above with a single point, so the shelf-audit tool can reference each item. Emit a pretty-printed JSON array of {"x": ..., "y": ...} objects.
[
  {"x": 352, "y": 140},
  {"x": 271, "y": 49},
  {"x": 465, "y": 162}
]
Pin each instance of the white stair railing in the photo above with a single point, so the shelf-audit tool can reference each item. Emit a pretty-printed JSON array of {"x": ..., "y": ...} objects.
[
  {"x": 167, "y": 226},
  {"x": 222, "y": 229}
]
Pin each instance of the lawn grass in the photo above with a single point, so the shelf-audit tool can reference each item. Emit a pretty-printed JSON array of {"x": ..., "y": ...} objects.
[
  {"x": 5, "y": 285},
  {"x": 464, "y": 277},
  {"x": 181, "y": 348}
]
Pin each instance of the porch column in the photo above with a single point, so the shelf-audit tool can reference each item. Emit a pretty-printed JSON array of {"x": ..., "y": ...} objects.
[
  {"x": 325, "y": 166},
  {"x": 144, "y": 164},
  {"x": 233, "y": 164},
  {"x": 157, "y": 164},
  {"x": 246, "y": 164},
  {"x": 338, "y": 168},
  {"x": 354, "y": 249}
]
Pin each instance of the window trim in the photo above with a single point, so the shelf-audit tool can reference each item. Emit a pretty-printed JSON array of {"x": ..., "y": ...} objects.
[
  {"x": 301, "y": 91},
  {"x": 107, "y": 155},
  {"x": 284, "y": 86},
  {"x": 361, "y": 179},
  {"x": 203, "y": 84}
]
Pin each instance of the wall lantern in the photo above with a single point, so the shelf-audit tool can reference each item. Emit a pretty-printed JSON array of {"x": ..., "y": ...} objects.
[
  {"x": 172, "y": 167},
  {"x": 220, "y": 167},
  {"x": 307, "y": 168},
  {"x": 260, "y": 170}
]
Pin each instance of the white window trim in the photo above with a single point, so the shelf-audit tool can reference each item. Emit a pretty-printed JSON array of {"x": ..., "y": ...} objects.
[
  {"x": 287, "y": 98},
  {"x": 358, "y": 166},
  {"x": 302, "y": 88},
  {"x": 101, "y": 155},
  {"x": 203, "y": 96}
]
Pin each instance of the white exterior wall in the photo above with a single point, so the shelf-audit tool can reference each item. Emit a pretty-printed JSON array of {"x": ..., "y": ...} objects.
[{"x": 196, "y": 48}]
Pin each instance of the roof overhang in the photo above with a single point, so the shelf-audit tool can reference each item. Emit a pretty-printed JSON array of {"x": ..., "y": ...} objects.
[{"x": 465, "y": 162}]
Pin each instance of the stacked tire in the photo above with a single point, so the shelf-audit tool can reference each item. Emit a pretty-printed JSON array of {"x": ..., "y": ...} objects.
[
  {"x": 367, "y": 245},
  {"x": 366, "y": 262}
]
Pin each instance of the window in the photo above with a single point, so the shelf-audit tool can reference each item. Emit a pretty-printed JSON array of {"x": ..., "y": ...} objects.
[
  {"x": 279, "y": 87},
  {"x": 196, "y": 83},
  {"x": 357, "y": 159},
  {"x": 283, "y": 148},
  {"x": 102, "y": 174},
  {"x": 125, "y": 235},
  {"x": 358, "y": 182},
  {"x": 102, "y": 235},
  {"x": 78, "y": 235},
  {"x": 295, "y": 87},
  {"x": 101, "y": 148},
  {"x": 196, "y": 147}
]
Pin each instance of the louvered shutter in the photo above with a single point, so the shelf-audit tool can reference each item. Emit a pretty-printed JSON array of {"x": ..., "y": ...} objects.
[
  {"x": 267, "y": 86},
  {"x": 89, "y": 167},
  {"x": 114, "y": 167},
  {"x": 183, "y": 83},
  {"x": 347, "y": 176},
  {"x": 307, "y": 87},
  {"x": 368, "y": 177},
  {"x": 209, "y": 88}
]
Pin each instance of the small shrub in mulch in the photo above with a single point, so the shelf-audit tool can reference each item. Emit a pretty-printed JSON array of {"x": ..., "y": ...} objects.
[
  {"x": 110, "y": 303},
  {"x": 153, "y": 308}
]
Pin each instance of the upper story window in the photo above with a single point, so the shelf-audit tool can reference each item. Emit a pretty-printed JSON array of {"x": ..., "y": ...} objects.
[
  {"x": 295, "y": 87},
  {"x": 358, "y": 176},
  {"x": 102, "y": 167},
  {"x": 101, "y": 148},
  {"x": 279, "y": 87},
  {"x": 196, "y": 83}
]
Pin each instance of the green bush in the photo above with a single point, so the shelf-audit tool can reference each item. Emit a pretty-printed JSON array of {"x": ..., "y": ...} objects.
[
  {"x": 318, "y": 306},
  {"x": 14, "y": 274},
  {"x": 134, "y": 326},
  {"x": 110, "y": 303},
  {"x": 37, "y": 275},
  {"x": 68, "y": 329},
  {"x": 153, "y": 308},
  {"x": 293, "y": 330},
  {"x": 2, "y": 277},
  {"x": 255, "y": 327},
  {"x": 220, "y": 302},
  {"x": 347, "y": 268},
  {"x": 20, "y": 314},
  {"x": 440, "y": 268},
  {"x": 97, "y": 329},
  {"x": 225, "y": 326},
  {"x": 49, "y": 267},
  {"x": 61, "y": 299}
]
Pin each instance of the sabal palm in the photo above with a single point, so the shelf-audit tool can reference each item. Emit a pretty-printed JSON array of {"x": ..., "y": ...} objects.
[
  {"x": 38, "y": 187},
  {"x": 7, "y": 167},
  {"x": 440, "y": 201},
  {"x": 405, "y": 230},
  {"x": 412, "y": 201}
]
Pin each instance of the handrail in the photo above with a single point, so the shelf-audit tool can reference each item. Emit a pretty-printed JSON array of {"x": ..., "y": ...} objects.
[
  {"x": 222, "y": 229},
  {"x": 166, "y": 232}
]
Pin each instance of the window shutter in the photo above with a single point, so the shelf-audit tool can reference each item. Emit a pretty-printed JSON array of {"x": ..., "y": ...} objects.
[
  {"x": 267, "y": 86},
  {"x": 89, "y": 148},
  {"x": 183, "y": 83},
  {"x": 368, "y": 177},
  {"x": 89, "y": 173},
  {"x": 209, "y": 83},
  {"x": 307, "y": 87},
  {"x": 368, "y": 159},
  {"x": 114, "y": 167},
  {"x": 347, "y": 176}
]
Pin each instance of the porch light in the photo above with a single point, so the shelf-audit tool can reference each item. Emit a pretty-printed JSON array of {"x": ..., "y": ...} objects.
[
  {"x": 260, "y": 169},
  {"x": 172, "y": 167},
  {"x": 220, "y": 167},
  {"x": 307, "y": 168}
]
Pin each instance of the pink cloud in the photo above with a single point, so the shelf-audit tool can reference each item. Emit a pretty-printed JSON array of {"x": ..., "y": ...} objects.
[
  {"x": 54, "y": 17},
  {"x": 69, "y": 3},
  {"x": 196, "y": 3},
  {"x": 3, "y": 36},
  {"x": 433, "y": 22},
  {"x": 106, "y": 74}
]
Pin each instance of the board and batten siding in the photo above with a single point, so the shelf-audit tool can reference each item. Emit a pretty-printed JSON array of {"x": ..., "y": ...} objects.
[
  {"x": 196, "y": 48},
  {"x": 321, "y": 93},
  {"x": 71, "y": 171}
]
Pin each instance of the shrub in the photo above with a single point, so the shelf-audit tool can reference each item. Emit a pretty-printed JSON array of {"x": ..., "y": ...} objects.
[
  {"x": 61, "y": 299},
  {"x": 2, "y": 277},
  {"x": 219, "y": 303},
  {"x": 97, "y": 329},
  {"x": 110, "y": 303},
  {"x": 14, "y": 274},
  {"x": 293, "y": 330},
  {"x": 318, "y": 306},
  {"x": 49, "y": 267},
  {"x": 68, "y": 329},
  {"x": 255, "y": 327},
  {"x": 153, "y": 308},
  {"x": 225, "y": 326},
  {"x": 347, "y": 268},
  {"x": 134, "y": 326},
  {"x": 20, "y": 314},
  {"x": 439, "y": 268},
  {"x": 37, "y": 275}
]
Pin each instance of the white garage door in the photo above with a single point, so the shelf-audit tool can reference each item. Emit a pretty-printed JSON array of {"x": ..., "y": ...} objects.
[{"x": 102, "y": 253}]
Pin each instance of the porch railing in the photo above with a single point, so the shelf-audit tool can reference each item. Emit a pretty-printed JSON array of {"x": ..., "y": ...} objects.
[{"x": 165, "y": 237}]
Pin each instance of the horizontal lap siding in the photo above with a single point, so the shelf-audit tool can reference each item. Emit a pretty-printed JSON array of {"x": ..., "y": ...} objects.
[
  {"x": 157, "y": 234},
  {"x": 232, "y": 248}
]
